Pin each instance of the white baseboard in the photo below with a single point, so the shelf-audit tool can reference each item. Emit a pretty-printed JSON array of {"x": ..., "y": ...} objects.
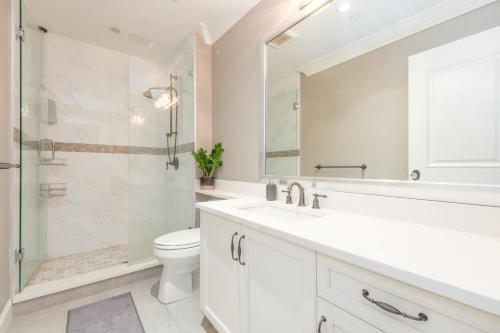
[{"x": 6, "y": 317}]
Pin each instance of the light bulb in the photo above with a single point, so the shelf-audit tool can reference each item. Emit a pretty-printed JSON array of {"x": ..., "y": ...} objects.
[{"x": 164, "y": 102}]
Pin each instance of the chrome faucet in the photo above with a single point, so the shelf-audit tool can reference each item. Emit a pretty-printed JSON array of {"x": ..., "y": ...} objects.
[{"x": 302, "y": 200}]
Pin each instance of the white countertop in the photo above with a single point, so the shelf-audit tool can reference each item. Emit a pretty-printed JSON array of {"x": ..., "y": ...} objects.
[{"x": 461, "y": 266}]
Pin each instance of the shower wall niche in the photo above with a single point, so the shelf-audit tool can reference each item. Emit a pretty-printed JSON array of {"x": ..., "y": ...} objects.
[{"x": 95, "y": 189}]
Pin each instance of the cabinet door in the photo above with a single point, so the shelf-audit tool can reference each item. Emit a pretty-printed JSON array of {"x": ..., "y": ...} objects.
[
  {"x": 332, "y": 319},
  {"x": 278, "y": 285},
  {"x": 220, "y": 274}
]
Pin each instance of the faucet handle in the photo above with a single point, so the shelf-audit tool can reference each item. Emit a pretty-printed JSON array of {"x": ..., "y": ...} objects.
[
  {"x": 288, "y": 196},
  {"x": 316, "y": 200}
]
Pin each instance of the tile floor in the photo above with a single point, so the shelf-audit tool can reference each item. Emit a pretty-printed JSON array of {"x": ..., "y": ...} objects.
[
  {"x": 180, "y": 317},
  {"x": 63, "y": 267}
]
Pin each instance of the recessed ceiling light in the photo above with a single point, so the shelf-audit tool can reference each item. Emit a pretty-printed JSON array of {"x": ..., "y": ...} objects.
[
  {"x": 344, "y": 7},
  {"x": 115, "y": 30}
]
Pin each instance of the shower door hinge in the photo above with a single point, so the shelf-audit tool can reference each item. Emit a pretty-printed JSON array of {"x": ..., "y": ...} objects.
[
  {"x": 19, "y": 256},
  {"x": 20, "y": 34}
]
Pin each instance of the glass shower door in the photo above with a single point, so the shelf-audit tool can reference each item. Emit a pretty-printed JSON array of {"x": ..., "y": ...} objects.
[
  {"x": 32, "y": 212},
  {"x": 161, "y": 200}
]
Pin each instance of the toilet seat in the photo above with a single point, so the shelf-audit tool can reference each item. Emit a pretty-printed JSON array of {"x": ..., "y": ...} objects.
[{"x": 179, "y": 240}]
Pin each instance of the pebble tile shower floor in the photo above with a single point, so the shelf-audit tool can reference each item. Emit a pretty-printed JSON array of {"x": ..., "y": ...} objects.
[{"x": 63, "y": 267}]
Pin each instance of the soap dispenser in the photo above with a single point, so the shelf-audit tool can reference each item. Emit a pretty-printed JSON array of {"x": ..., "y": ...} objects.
[{"x": 271, "y": 191}]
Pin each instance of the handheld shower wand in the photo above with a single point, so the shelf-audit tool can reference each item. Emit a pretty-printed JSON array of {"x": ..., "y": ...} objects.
[
  {"x": 170, "y": 102},
  {"x": 173, "y": 160}
]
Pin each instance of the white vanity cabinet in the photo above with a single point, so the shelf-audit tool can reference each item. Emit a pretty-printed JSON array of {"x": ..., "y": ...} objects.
[
  {"x": 219, "y": 273},
  {"x": 261, "y": 284},
  {"x": 332, "y": 319},
  {"x": 254, "y": 282},
  {"x": 278, "y": 285},
  {"x": 391, "y": 306}
]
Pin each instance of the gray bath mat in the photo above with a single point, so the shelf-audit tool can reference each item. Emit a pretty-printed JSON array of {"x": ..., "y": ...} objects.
[{"x": 117, "y": 314}]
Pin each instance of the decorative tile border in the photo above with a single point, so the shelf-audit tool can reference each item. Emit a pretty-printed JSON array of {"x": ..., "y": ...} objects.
[
  {"x": 115, "y": 149},
  {"x": 283, "y": 153},
  {"x": 30, "y": 144}
]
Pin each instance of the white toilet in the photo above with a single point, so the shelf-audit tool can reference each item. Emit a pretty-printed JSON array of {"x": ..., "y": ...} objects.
[{"x": 179, "y": 253}]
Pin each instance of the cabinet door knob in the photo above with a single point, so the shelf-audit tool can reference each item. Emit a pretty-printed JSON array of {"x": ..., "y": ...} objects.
[
  {"x": 242, "y": 263},
  {"x": 321, "y": 321},
  {"x": 232, "y": 247}
]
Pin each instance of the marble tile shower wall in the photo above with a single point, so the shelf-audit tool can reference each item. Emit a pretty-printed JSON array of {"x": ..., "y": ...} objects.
[
  {"x": 89, "y": 85},
  {"x": 97, "y": 94}
]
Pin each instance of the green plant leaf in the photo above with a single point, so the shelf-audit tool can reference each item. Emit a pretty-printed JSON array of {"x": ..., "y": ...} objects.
[{"x": 208, "y": 164}]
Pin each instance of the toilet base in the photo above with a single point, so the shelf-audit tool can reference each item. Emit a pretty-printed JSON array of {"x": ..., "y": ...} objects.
[{"x": 175, "y": 285}]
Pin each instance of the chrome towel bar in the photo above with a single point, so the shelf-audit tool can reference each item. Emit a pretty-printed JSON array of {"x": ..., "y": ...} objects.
[{"x": 362, "y": 166}]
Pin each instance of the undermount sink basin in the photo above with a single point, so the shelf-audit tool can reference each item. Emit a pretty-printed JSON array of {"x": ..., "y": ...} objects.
[{"x": 283, "y": 213}]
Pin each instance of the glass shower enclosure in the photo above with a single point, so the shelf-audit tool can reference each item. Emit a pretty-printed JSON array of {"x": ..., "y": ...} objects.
[
  {"x": 94, "y": 184},
  {"x": 161, "y": 198},
  {"x": 33, "y": 208}
]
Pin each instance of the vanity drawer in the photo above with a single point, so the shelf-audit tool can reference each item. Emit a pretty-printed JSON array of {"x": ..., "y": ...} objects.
[
  {"x": 351, "y": 288},
  {"x": 332, "y": 319}
]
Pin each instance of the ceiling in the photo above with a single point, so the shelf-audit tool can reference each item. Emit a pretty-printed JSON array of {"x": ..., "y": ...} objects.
[
  {"x": 168, "y": 22},
  {"x": 330, "y": 37}
]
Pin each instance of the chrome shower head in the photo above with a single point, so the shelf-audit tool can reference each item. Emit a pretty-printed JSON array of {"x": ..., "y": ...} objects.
[
  {"x": 167, "y": 97},
  {"x": 149, "y": 93}
]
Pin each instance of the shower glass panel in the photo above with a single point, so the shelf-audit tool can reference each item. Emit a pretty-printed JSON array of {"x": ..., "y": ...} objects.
[
  {"x": 161, "y": 199},
  {"x": 282, "y": 126},
  {"x": 33, "y": 208}
]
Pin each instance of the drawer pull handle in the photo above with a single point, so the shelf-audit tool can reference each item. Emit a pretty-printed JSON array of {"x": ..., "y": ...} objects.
[
  {"x": 242, "y": 263},
  {"x": 392, "y": 309},
  {"x": 232, "y": 247},
  {"x": 321, "y": 321}
]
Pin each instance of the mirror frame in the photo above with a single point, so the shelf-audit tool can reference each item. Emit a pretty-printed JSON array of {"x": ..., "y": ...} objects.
[{"x": 471, "y": 194}]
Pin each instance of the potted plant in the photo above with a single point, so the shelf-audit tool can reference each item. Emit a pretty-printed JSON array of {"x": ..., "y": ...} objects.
[{"x": 208, "y": 164}]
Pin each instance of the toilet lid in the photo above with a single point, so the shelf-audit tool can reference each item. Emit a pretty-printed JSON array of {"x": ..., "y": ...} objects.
[{"x": 179, "y": 239}]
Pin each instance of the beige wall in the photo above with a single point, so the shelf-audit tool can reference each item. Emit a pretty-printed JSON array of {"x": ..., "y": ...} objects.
[
  {"x": 203, "y": 69},
  {"x": 237, "y": 80},
  {"x": 356, "y": 113},
  {"x": 237, "y": 87},
  {"x": 5, "y": 142}
]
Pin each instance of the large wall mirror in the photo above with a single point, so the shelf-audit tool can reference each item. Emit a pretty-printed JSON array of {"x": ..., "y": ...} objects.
[{"x": 387, "y": 89}]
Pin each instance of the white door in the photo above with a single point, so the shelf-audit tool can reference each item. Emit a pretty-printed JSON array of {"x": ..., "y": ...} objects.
[
  {"x": 278, "y": 286},
  {"x": 220, "y": 274},
  {"x": 454, "y": 111},
  {"x": 332, "y": 319}
]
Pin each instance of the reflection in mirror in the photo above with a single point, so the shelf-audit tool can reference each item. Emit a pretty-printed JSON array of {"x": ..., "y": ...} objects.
[{"x": 387, "y": 89}]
